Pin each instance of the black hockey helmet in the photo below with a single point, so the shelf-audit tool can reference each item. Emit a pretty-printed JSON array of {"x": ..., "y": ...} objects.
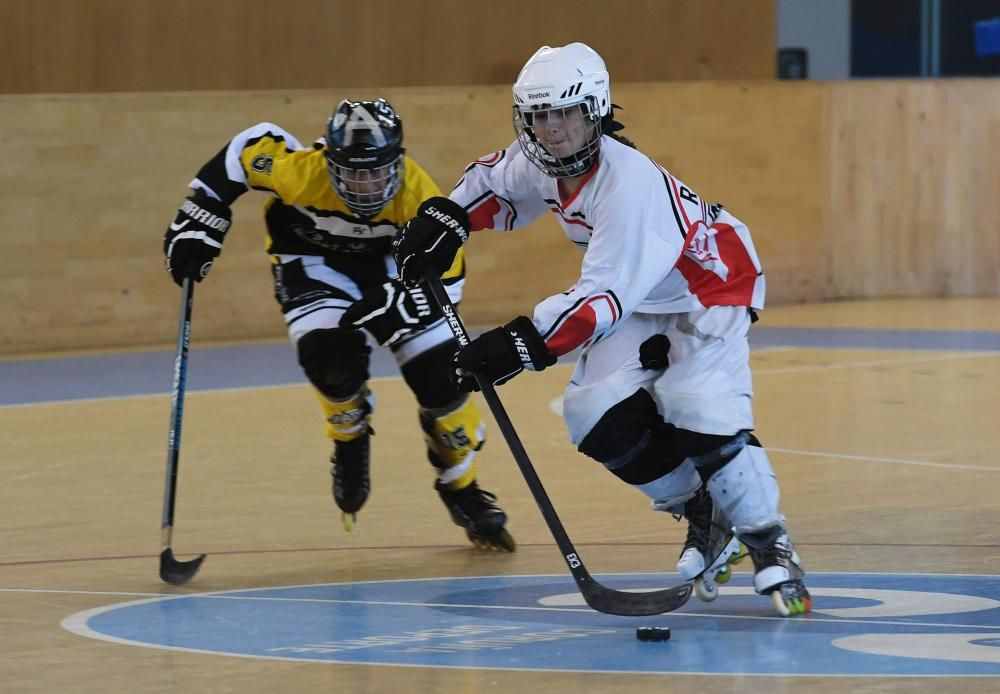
[{"x": 364, "y": 154}]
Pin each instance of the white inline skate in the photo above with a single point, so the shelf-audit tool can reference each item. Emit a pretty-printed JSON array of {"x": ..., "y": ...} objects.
[
  {"x": 778, "y": 571},
  {"x": 710, "y": 550}
]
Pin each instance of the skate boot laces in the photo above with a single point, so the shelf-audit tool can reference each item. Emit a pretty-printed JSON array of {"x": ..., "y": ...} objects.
[
  {"x": 704, "y": 529},
  {"x": 778, "y": 553},
  {"x": 472, "y": 501},
  {"x": 350, "y": 473},
  {"x": 475, "y": 510}
]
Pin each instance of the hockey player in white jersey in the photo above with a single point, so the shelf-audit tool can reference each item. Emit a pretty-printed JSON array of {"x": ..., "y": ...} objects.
[{"x": 661, "y": 393}]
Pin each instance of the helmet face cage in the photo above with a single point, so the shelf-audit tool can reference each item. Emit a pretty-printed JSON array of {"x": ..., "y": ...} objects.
[
  {"x": 529, "y": 120},
  {"x": 364, "y": 154},
  {"x": 366, "y": 191}
]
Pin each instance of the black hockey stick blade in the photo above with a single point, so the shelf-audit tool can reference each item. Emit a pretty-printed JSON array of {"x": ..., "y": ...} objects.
[
  {"x": 175, "y": 572},
  {"x": 629, "y": 604}
]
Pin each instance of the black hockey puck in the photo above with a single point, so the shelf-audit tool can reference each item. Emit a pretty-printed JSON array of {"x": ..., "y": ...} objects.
[{"x": 653, "y": 633}]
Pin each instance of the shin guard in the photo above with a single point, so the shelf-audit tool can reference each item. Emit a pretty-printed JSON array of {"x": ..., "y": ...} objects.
[
  {"x": 347, "y": 420},
  {"x": 747, "y": 491},
  {"x": 454, "y": 436}
]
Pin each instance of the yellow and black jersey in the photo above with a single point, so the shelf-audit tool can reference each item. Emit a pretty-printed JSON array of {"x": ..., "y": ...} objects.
[{"x": 305, "y": 216}]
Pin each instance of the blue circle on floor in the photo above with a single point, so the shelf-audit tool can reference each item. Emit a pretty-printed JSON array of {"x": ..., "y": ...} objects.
[{"x": 861, "y": 625}]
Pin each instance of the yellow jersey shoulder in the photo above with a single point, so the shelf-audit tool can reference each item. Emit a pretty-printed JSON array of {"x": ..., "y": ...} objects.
[
  {"x": 297, "y": 177},
  {"x": 300, "y": 177}
]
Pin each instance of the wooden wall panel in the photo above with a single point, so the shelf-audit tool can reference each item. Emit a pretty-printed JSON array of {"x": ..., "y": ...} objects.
[
  {"x": 846, "y": 191},
  {"x": 57, "y": 46},
  {"x": 915, "y": 190},
  {"x": 90, "y": 182}
]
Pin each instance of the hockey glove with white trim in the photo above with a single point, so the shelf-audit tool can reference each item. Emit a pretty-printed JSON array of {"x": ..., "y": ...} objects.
[
  {"x": 391, "y": 311},
  {"x": 194, "y": 240},
  {"x": 428, "y": 243},
  {"x": 502, "y": 353}
]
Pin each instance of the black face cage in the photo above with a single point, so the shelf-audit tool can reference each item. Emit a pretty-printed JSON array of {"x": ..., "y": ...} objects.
[
  {"x": 575, "y": 164},
  {"x": 367, "y": 191}
]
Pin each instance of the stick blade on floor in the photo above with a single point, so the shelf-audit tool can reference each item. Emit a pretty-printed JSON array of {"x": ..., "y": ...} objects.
[{"x": 177, "y": 572}]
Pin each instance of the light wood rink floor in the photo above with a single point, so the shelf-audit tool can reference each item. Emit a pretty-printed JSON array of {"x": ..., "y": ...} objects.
[{"x": 887, "y": 461}]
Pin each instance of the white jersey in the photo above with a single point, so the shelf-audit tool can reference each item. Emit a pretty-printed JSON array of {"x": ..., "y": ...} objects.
[{"x": 650, "y": 244}]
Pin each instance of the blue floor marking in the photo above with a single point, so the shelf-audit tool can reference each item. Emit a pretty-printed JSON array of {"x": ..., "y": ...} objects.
[
  {"x": 274, "y": 364},
  {"x": 919, "y": 625}
]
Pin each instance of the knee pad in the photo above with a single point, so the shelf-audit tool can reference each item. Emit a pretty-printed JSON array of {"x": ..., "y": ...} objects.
[
  {"x": 747, "y": 491},
  {"x": 710, "y": 452},
  {"x": 454, "y": 436},
  {"x": 632, "y": 441},
  {"x": 701, "y": 447},
  {"x": 335, "y": 361},
  {"x": 429, "y": 376}
]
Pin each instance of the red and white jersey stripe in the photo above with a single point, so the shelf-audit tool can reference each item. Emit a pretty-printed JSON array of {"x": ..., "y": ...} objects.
[{"x": 650, "y": 243}]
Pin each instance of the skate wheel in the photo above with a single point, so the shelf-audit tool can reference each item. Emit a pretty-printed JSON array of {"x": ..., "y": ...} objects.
[
  {"x": 724, "y": 575},
  {"x": 505, "y": 541},
  {"x": 790, "y": 606},
  {"x": 349, "y": 519},
  {"x": 779, "y": 603},
  {"x": 705, "y": 591},
  {"x": 501, "y": 541},
  {"x": 741, "y": 554}
]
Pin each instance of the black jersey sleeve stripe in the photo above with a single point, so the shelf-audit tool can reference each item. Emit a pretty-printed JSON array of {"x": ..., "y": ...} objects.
[
  {"x": 618, "y": 303},
  {"x": 673, "y": 205},
  {"x": 213, "y": 174},
  {"x": 562, "y": 316},
  {"x": 475, "y": 203},
  {"x": 513, "y": 211}
]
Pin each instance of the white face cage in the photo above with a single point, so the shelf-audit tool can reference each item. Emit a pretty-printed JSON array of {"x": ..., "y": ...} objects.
[
  {"x": 367, "y": 191},
  {"x": 563, "y": 142}
]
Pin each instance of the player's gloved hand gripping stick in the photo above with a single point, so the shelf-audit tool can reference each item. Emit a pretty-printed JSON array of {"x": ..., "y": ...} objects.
[{"x": 599, "y": 597}]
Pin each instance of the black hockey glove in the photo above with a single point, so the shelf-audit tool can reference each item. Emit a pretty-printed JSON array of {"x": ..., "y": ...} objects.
[
  {"x": 428, "y": 243},
  {"x": 654, "y": 353},
  {"x": 502, "y": 353},
  {"x": 194, "y": 240},
  {"x": 391, "y": 311}
]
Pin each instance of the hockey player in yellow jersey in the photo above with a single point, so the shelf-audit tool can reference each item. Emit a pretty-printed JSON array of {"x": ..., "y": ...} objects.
[{"x": 332, "y": 212}]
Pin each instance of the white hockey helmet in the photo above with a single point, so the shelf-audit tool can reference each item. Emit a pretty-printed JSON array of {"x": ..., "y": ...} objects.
[{"x": 554, "y": 83}]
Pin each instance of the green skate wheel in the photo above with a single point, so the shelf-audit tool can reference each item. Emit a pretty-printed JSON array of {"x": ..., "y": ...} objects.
[
  {"x": 791, "y": 608},
  {"x": 349, "y": 519},
  {"x": 724, "y": 575}
]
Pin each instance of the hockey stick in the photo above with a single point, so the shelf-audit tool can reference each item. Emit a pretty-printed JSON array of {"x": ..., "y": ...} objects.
[
  {"x": 171, "y": 570},
  {"x": 599, "y": 597}
]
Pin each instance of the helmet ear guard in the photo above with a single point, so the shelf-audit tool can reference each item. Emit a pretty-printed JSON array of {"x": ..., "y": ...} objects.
[
  {"x": 364, "y": 154},
  {"x": 609, "y": 124}
]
